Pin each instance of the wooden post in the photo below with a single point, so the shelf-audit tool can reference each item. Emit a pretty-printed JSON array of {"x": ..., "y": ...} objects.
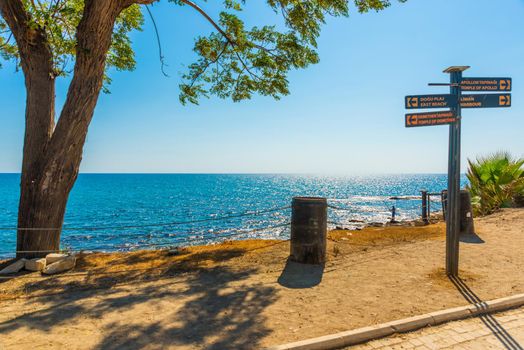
[
  {"x": 308, "y": 230},
  {"x": 444, "y": 200},
  {"x": 429, "y": 207},
  {"x": 425, "y": 217},
  {"x": 466, "y": 213}
]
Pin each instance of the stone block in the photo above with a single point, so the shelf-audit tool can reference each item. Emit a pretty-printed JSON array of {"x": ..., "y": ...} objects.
[
  {"x": 13, "y": 268},
  {"x": 37, "y": 264},
  {"x": 62, "y": 265},
  {"x": 54, "y": 257}
]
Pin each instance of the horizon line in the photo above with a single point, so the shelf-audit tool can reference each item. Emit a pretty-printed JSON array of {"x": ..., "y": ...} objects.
[{"x": 244, "y": 173}]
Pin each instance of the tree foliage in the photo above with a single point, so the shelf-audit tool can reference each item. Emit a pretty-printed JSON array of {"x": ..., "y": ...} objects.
[
  {"x": 232, "y": 62},
  {"x": 59, "y": 19},
  {"x": 496, "y": 181}
]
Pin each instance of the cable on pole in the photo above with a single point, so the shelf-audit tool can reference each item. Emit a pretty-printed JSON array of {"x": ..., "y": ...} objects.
[
  {"x": 174, "y": 223},
  {"x": 173, "y": 244}
]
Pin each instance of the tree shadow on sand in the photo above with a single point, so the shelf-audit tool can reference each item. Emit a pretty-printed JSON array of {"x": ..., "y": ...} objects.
[
  {"x": 220, "y": 317},
  {"x": 218, "y": 309}
]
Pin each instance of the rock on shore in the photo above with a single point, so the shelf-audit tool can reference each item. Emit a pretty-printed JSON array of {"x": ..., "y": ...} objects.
[
  {"x": 14, "y": 267},
  {"x": 62, "y": 265}
]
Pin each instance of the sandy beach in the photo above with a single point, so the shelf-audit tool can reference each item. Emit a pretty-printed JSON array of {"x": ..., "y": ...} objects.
[{"x": 245, "y": 295}]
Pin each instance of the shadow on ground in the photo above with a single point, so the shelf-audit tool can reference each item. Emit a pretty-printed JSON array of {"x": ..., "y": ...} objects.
[
  {"x": 298, "y": 276},
  {"x": 471, "y": 238},
  {"x": 217, "y": 309},
  {"x": 506, "y": 340}
]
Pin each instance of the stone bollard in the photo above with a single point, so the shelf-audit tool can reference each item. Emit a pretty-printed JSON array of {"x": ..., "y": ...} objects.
[
  {"x": 466, "y": 211},
  {"x": 308, "y": 230},
  {"x": 466, "y": 214}
]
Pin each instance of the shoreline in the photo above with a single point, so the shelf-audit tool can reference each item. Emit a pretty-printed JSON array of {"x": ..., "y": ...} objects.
[
  {"x": 372, "y": 235},
  {"x": 435, "y": 218},
  {"x": 100, "y": 210}
]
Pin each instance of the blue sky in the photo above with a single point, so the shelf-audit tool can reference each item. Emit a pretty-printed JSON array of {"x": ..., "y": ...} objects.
[{"x": 344, "y": 115}]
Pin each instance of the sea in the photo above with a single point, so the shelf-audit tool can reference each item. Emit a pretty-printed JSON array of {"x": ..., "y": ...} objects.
[{"x": 123, "y": 212}]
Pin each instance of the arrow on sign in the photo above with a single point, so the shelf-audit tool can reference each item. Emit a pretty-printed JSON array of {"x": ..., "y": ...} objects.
[
  {"x": 505, "y": 100},
  {"x": 505, "y": 84},
  {"x": 413, "y": 102},
  {"x": 412, "y": 120}
]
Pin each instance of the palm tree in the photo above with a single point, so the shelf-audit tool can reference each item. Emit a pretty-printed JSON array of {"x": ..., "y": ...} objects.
[{"x": 496, "y": 181}]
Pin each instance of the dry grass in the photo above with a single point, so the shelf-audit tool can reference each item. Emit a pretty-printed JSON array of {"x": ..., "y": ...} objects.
[
  {"x": 370, "y": 236},
  {"x": 105, "y": 270},
  {"x": 183, "y": 259}
]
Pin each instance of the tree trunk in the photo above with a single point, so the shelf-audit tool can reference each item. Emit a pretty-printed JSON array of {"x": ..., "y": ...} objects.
[
  {"x": 40, "y": 218},
  {"x": 52, "y": 156},
  {"x": 34, "y": 211},
  {"x": 36, "y": 60}
]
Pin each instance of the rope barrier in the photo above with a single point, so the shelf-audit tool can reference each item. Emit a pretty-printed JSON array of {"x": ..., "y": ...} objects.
[
  {"x": 179, "y": 239},
  {"x": 175, "y": 223},
  {"x": 346, "y": 223},
  {"x": 172, "y": 243},
  {"x": 339, "y": 208}
]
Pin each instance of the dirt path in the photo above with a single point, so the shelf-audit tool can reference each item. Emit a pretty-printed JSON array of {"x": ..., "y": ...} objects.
[{"x": 243, "y": 295}]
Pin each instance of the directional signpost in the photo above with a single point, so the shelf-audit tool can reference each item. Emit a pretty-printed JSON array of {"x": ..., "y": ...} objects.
[
  {"x": 486, "y": 84},
  {"x": 452, "y": 116},
  {"x": 431, "y": 101},
  {"x": 431, "y": 118},
  {"x": 485, "y": 100}
]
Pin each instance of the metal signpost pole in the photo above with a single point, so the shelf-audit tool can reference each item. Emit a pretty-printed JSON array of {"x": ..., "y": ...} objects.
[
  {"x": 452, "y": 222},
  {"x": 449, "y": 211}
]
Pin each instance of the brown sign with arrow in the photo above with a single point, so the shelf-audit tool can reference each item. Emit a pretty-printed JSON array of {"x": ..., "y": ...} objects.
[
  {"x": 485, "y": 100},
  {"x": 486, "y": 84},
  {"x": 430, "y": 119},
  {"x": 430, "y": 101}
]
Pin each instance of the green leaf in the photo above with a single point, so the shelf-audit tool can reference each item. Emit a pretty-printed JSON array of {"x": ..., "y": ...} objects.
[{"x": 495, "y": 181}]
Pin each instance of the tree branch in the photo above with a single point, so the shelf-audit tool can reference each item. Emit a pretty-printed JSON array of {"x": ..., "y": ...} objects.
[
  {"x": 204, "y": 69},
  {"x": 162, "y": 62},
  {"x": 32, "y": 43},
  {"x": 93, "y": 42},
  {"x": 7, "y": 40},
  {"x": 210, "y": 20}
]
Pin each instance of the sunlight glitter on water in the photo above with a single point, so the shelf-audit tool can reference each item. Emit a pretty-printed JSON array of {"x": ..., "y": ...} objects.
[{"x": 108, "y": 201}]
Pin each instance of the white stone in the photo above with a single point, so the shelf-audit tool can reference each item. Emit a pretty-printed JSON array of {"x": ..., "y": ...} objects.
[
  {"x": 62, "y": 265},
  {"x": 54, "y": 257},
  {"x": 37, "y": 264},
  {"x": 14, "y": 267}
]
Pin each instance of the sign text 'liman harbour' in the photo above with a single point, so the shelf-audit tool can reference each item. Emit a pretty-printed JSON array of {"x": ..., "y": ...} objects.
[{"x": 485, "y": 100}]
